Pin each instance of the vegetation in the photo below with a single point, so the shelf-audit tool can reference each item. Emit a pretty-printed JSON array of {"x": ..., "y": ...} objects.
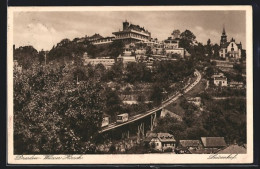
[
  {"x": 58, "y": 107},
  {"x": 225, "y": 118}
]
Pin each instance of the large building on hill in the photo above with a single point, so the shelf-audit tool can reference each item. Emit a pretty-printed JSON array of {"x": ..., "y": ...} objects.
[
  {"x": 229, "y": 49},
  {"x": 97, "y": 39},
  {"x": 132, "y": 33}
]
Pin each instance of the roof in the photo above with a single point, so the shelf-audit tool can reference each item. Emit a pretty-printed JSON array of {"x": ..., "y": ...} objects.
[
  {"x": 213, "y": 142},
  {"x": 189, "y": 143},
  {"x": 163, "y": 137},
  {"x": 220, "y": 78},
  {"x": 233, "y": 149}
]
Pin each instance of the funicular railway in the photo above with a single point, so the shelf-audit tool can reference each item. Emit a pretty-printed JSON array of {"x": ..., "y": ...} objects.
[{"x": 141, "y": 123}]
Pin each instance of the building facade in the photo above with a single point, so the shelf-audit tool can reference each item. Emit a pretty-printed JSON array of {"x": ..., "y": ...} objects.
[
  {"x": 171, "y": 47},
  {"x": 220, "y": 81},
  {"x": 161, "y": 141},
  {"x": 229, "y": 49},
  {"x": 132, "y": 33}
]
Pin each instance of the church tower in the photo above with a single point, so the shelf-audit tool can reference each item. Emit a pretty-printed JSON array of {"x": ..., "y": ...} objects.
[{"x": 223, "y": 39}]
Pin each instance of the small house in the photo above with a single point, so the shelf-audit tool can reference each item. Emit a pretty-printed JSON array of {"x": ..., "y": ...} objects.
[
  {"x": 213, "y": 143},
  {"x": 190, "y": 144},
  {"x": 220, "y": 81},
  {"x": 161, "y": 141}
]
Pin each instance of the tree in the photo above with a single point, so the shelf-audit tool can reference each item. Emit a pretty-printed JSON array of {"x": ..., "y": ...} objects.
[
  {"x": 156, "y": 94},
  {"x": 51, "y": 115},
  {"x": 209, "y": 71},
  {"x": 149, "y": 51},
  {"x": 27, "y": 56},
  {"x": 216, "y": 49},
  {"x": 209, "y": 48},
  {"x": 186, "y": 39},
  {"x": 115, "y": 72},
  {"x": 113, "y": 103},
  {"x": 116, "y": 48},
  {"x": 41, "y": 56},
  {"x": 176, "y": 33},
  {"x": 238, "y": 68}
]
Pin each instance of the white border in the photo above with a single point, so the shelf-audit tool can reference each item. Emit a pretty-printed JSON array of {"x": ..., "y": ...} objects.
[{"x": 129, "y": 158}]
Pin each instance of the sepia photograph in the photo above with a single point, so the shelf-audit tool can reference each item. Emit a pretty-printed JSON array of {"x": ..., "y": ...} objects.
[{"x": 124, "y": 85}]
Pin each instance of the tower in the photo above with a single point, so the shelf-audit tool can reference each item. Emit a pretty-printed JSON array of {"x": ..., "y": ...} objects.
[
  {"x": 125, "y": 25},
  {"x": 223, "y": 39}
]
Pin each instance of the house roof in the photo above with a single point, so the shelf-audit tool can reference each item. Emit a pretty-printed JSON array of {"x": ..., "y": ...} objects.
[
  {"x": 233, "y": 149},
  {"x": 213, "y": 142},
  {"x": 220, "y": 78},
  {"x": 189, "y": 143},
  {"x": 163, "y": 137}
]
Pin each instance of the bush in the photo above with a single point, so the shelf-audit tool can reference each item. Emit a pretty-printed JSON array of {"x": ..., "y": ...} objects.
[
  {"x": 168, "y": 150},
  {"x": 112, "y": 148}
]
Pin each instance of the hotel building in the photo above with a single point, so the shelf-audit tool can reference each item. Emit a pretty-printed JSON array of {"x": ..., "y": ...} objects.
[{"x": 132, "y": 33}]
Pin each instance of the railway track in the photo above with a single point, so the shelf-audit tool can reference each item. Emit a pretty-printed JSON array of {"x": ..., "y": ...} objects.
[{"x": 164, "y": 104}]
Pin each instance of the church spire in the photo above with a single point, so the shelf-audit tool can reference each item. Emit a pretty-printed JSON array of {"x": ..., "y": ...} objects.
[
  {"x": 223, "y": 38},
  {"x": 224, "y": 31}
]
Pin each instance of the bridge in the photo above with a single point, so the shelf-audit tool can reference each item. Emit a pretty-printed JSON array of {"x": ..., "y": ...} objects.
[{"x": 151, "y": 115}]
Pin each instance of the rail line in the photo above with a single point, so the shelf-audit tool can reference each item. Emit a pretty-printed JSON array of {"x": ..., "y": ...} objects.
[{"x": 164, "y": 104}]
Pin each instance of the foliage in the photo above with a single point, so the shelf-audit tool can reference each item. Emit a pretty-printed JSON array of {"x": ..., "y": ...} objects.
[
  {"x": 113, "y": 103},
  {"x": 208, "y": 48},
  {"x": 137, "y": 72},
  {"x": 224, "y": 118},
  {"x": 27, "y": 56},
  {"x": 116, "y": 48},
  {"x": 186, "y": 39},
  {"x": 55, "y": 116},
  {"x": 176, "y": 33},
  {"x": 66, "y": 51}
]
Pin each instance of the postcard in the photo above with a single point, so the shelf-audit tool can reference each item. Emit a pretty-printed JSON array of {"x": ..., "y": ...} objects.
[{"x": 130, "y": 85}]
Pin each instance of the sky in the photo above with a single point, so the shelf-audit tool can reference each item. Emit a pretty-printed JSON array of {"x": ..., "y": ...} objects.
[{"x": 44, "y": 29}]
